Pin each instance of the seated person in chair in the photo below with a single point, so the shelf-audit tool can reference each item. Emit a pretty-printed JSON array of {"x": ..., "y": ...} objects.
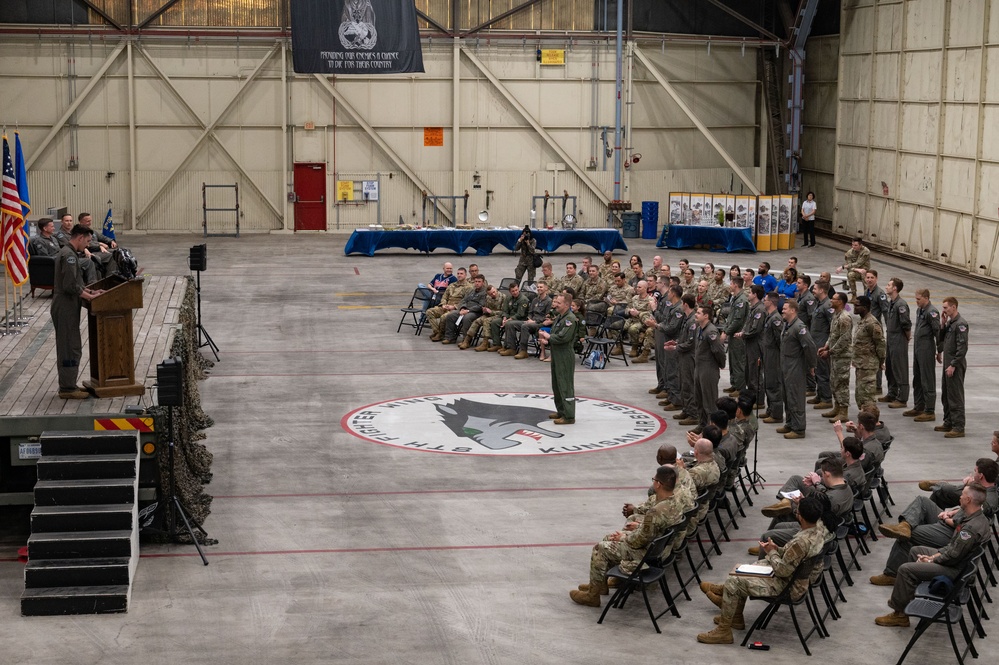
[
  {"x": 517, "y": 334},
  {"x": 439, "y": 284},
  {"x": 458, "y": 321},
  {"x": 99, "y": 249},
  {"x": 44, "y": 244},
  {"x": 453, "y": 295},
  {"x": 972, "y": 529},
  {"x": 626, "y": 548},
  {"x": 495, "y": 299},
  {"x": 732, "y": 595},
  {"x": 514, "y": 309}
]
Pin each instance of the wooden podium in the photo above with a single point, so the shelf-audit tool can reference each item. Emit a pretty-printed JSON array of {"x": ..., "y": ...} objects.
[{"x": 112, "y": 346}]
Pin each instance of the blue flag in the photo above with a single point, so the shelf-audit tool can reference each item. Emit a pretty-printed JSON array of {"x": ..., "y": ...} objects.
[
  {"x": 109, "y": 226},
  {"x": 22, "y": 187}
]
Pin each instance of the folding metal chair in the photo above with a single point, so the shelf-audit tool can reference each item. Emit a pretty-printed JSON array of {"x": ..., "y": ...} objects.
[{"x": 415, "y": 310}]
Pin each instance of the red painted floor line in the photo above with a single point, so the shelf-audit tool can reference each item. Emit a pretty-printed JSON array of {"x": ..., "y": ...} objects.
[
  {"x": 498, "y": 490},
  {"x": 544, "y": 370},
  {"x": 365, "y": 550}
]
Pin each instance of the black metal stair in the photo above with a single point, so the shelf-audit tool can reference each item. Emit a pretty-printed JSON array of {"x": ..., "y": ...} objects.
[{"x": 84, "y": 545}]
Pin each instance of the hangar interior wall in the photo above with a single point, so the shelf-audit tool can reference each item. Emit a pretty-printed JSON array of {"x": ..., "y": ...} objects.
[
  {"x": 917, "y": 148},
  {"x": 168, "y": 114},
  {"x": 818, "y": 138}
]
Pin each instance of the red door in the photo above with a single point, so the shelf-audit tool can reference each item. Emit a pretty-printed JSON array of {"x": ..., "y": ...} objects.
[{"x": 310, "y": 196}]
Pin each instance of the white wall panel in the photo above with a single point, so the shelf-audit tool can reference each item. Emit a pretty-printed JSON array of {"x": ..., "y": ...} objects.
[
  {"x": 924, "y": 21},
  {"x": 919, "y": 129},
  {"x": 882, "y": 169},
  {"x": 854, "y": 122},
  {"x": 922, "y": 76},
  {"x": 886, "y": 72},
  {"x": 960, "y": 130},
  {"x": 942, "y": 162},
  {"x": 957, "y": 191},
  {"x": 857, "y": 27},
  {"x": 966, "y": 19}
]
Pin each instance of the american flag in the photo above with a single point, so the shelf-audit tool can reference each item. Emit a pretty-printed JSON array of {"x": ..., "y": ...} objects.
[{"x": 12, "y": 219}]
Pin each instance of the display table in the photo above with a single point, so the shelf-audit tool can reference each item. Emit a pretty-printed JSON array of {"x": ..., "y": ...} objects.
[
  {"x": 717, "y": 238},
  {"x": 483, "y": 241}
]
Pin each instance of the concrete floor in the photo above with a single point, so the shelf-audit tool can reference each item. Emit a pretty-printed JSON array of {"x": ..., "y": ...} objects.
[{"x": 335, "y": 549}]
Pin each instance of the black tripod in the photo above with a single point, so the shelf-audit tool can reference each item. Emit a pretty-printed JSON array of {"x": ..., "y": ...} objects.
[
  {"x": 175, "y": 508},
  {"x": 204, "y": 339},
  {"x": 754, "y": 477}
]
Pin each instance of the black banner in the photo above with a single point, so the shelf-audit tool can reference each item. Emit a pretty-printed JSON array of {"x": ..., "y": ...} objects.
[{"x": 355, "y": 37}]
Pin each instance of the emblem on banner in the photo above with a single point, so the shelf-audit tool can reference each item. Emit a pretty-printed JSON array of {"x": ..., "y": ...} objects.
[{"x": 357, "y": 25}]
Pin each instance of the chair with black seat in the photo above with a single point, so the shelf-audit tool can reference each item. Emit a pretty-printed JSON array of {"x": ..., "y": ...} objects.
[
  {"x": 818, "y": 581},
  {"x": 786, "y": 597},
  {"x": 506, "y": 283},
  {"x": 41, "y": 273},
  {"x": 690, "y": 535},
  {"x": 416, "y": 310},
  {"x": 609, "y": 336},
  {"x": 947, "y": 609},
  {"x": 843, "y": 537},
  {"x": 647, "y": 572}
]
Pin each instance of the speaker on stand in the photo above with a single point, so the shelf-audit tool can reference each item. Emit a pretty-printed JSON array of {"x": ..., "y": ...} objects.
[
  {"x": 170, "y": 393},
  {"x": 198, "y": 263}
]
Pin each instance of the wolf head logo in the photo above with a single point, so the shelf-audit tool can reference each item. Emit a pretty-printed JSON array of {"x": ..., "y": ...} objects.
[{"x": 495, "y": 426}]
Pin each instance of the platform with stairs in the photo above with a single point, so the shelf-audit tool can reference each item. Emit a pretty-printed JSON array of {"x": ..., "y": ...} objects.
[{"x": 84, "y": 544}]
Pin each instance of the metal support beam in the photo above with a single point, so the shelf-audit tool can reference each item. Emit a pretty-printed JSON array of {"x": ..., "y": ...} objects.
[
  {"x": 671, "y": 91},
  {"x": 133, "y": 167},
  {"x": 755, "y": 26},
  {"x": 209, "y": 130},
  {"x": 104, "y": 15},
  {"x": 801, "y": 30},
  {"x": 433, "y": 23},
  {"x": 552, "y": 143},
  {"x": 379, "y": 141},
  {"x": 61, "y": 122},
  {"x": 156, "y": 14},
  {"x": 499, "y": 17},
  {"x": 166, "y": 79}
]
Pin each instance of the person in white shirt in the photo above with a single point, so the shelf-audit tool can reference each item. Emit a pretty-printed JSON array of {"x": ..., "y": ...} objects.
[{"x": 808, "y": 209}]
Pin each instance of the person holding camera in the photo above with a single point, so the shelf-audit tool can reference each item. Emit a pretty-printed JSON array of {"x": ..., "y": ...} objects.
[{"x": 527, "y": 246}]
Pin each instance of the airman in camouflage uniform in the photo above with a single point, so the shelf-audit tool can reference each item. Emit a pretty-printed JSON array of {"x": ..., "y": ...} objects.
[
  {"x": 572, "y": 280},
  {"x": 626, "y": 548},
  {"x": 706, "y": 474},
  {"x": 453, "y": 295},
  {"x": 839, "y": 350},
  {"x": 718, "y": 292},
  {"x": 639, "y": 309},
  {"x": 620, "y": 292},
  {"x": 493, "y": 308},
  {"x": 594, "y": 292},
  {"x": 856, "y": 261},
  {"x": 514, "y": 309},
  {"x": 606, "y": 269},
  {"x": 869, "y": 352},
  {"x": 549, "y": 278},
  {"x": 731, "y": 597}
]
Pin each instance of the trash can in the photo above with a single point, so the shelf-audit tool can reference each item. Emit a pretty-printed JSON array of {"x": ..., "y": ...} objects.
[
  {"x": 650, "y": 219},
  {"x": 629, "y": 224}
]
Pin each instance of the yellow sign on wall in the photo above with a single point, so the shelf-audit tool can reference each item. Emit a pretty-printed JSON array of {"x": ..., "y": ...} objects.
[
  {"x": 344, "y": 190},
  {"x": 552, "y": 56}
]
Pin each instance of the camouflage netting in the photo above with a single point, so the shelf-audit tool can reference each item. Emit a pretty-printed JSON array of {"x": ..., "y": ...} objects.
[{"x": 193, "y": 461}]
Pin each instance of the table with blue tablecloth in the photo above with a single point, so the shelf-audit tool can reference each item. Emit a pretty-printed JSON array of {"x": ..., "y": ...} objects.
[
  {"x": 364, "y": 241},
  {"x": 717, "y": 238}
]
